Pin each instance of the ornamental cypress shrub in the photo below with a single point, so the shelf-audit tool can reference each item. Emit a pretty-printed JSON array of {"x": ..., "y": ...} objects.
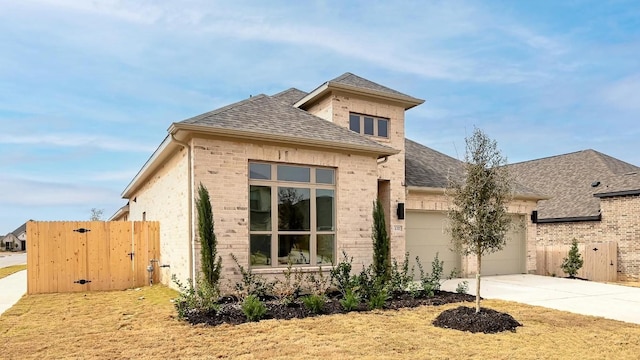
[{"x": 208, "y": 243}]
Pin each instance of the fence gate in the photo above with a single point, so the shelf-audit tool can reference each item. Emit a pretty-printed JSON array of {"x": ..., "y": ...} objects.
[
  {"x": 90, "y": 255},
  {"x": 600, "y": 260}
]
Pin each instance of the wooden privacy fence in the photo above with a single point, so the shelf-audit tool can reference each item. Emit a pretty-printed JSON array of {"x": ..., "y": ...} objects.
[
  {"x": 90, "y": 255},
  {"x": 600, "y": 260}
]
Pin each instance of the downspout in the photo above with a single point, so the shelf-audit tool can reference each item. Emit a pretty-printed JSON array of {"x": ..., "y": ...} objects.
[{"x": 192, "y": 260}]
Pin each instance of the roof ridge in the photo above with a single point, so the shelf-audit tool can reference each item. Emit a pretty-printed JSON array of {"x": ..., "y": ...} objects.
[
  {"x": 434, "y": 150},
  {"x": 550, "y": 157},
  {"x": 221, "y": 110},
  {"x": 603, "y": 158}
]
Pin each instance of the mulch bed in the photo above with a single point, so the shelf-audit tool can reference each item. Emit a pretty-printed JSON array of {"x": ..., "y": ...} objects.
[{"x": 488, "y": 321}]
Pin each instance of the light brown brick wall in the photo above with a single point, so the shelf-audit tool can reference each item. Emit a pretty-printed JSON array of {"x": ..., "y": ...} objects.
[
  {"x": 164, "y": 197},
  {"x": 337, "y": 107},
  {"x": 426, "y": 201},
  {"x": 222, "y": 166},
  {"x": 620, "y": 222}
]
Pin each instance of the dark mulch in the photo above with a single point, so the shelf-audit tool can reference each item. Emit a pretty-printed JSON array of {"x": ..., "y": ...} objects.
[
  {"x": 230, "y": 311},
  {"x": 487, "y": 321}
]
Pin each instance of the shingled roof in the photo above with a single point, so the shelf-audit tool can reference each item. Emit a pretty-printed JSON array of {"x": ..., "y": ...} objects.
[
  {"x": 571, "y": 180},
  {"x": 266, "y": 116},
  {"x": 362, "y": 83},
  {"x": 425, "y": 167},
  {"x": 290, "y": 96}
]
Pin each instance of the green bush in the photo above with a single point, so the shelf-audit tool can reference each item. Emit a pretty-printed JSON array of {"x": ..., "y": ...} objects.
[
  {"x": 378, "y": 299},
  {"x": 200, "y": 299},
  {"x": 462, "y": 287},
  {"x": 401, "y": 276},
  {"x": 572, "y": 263},
  {"x": 350, "y": 301},
  {"x": 317, "y": 283},
  {"x": 341, "y": 276},
  {"x": 381, "y": 244},
  {"x": 253, "y": 308},
  {"x": 367, "y": 284},
  {"x": 315, "y": 303},
  {"x": 289, "y": 289},
  {"x": 251, "y": 284}
]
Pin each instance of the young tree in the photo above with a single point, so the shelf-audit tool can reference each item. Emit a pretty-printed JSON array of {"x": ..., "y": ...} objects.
[
  {"x": 208, "y": 243},
  {"x": 96, "y": 214},
  {"x": 572, "y": 263},
  {"x": 381, "y": 244},
  {"x": 478, "y": 217}
]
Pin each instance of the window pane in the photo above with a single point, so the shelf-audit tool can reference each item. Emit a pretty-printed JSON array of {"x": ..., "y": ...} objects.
[
  {"x": 325, "y": 250},
  {"x": 260, "y": 208},
  {"x": 324, "y": 176},
  {"x": 294, "y": 209},
  {"x": 294, "y": 173},
  {"x": 260, "y": 250},
  {"x": 324, "y": 209},
  {"x": 382, "y": 128},
  {"x": 354, "y": 123},
  {"x": 260, "y": 171},
  {"x": 368, "y": 126},
  {"x": 294, "y": 248}
]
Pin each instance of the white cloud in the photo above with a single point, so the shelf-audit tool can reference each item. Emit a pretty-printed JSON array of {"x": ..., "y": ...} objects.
[
  {"x": 27, "y": 192},
  {"x": 76, "y": 140},
  {"x": 623, "y": 94}
]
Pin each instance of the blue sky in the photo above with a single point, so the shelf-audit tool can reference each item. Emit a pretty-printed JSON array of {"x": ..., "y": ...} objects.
[{"x": 89, "y": 88}]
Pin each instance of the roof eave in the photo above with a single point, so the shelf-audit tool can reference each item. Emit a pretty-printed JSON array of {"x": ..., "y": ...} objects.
[
  {"x": 407, "y": 102},
  {"x": 617, "y": 193},
  {"x": 439, "y": 190},
  {"x": 380, "y": 151},
  {"x": 569, "y": 219},
  {"x": 160, "y": 154}
]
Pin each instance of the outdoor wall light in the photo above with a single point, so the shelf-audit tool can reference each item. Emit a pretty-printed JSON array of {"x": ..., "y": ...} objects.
[{"x": 400, "y": 211}]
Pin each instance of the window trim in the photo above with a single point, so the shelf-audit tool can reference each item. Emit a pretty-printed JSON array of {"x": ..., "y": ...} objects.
[
  {"x": 275, "y": 232},
  {"x": 376, "y": 120}
]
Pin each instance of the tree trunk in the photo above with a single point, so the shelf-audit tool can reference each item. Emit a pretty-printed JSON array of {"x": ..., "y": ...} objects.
[{"x": 478, "y": 283}]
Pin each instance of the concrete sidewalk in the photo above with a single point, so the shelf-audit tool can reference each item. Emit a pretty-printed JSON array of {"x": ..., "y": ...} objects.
[
  {"x": 581, "y": 297},
  {"x": 12, "y": 288}
]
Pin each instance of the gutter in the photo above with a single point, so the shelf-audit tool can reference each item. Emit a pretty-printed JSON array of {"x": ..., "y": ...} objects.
[
  {"x": 617, "y": 193},
  {"x": 192, "y": 259},
  {"x": 567, "y": 219}
]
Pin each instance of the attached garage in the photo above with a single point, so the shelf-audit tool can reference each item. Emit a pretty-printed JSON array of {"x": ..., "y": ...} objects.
[{"x": 426, "y": 235}]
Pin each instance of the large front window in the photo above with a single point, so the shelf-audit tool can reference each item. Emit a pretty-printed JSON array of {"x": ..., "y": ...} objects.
[{"x": 291, "y": 215}]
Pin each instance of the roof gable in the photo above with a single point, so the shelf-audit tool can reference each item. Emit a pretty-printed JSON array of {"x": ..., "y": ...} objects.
[
  {"x": 568, "y": 179},
  {"x": 21, "y": 229},
  {"x": 362, "y": 83},
  {"x": 267, "y": 117},
  {"x": 289, "y": 96}
]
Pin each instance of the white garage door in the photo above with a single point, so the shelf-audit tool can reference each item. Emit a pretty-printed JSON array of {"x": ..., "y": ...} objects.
[{"x": 426, "y": 235}]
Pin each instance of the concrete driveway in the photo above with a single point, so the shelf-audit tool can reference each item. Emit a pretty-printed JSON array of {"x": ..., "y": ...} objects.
[{"x": 581, "y": 297}]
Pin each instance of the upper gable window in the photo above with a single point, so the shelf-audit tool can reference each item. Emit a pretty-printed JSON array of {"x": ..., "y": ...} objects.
[{"x": 369, "y": 125}]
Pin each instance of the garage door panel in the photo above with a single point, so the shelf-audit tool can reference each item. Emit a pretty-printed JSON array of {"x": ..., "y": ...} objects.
[{"x": 511, "y": 259}]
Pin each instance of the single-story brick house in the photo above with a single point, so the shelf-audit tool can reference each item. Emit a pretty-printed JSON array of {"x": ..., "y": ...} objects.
[
  {"x": 593, "y": 198},
  {"x": 15, "y": 240},
  {"x": 294, "y": 176}
]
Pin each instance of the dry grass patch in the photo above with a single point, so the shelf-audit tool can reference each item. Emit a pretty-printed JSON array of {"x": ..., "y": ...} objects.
[
  {"x": 143, "y": 324},
  {"x": 6, "y": 271}
]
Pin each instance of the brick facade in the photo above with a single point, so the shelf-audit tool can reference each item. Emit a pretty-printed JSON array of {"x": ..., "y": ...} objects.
[{"x": 620, "y": 222}]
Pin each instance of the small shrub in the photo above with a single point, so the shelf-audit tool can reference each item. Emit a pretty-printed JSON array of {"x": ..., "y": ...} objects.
[
  {"x": 415, "y": 290},
  {"x": 401, "y": 276},
  {"x": 381, "y": 244},
  {"x": 437, "y": 268},
  {"x": 366, "y": 283},
  {"x": 315, "y": 303},
  {"x": 462, "y": 287},
  {"x": 572, "y": 263},
  {"x": 341, "y": 276},
  {"x": 200, "y": 299},
  {"x": 350, "y": 301},
  {"x": 253, "y": 308},
  {"x": 289, "y": 289},
  {"x": 378, "y": 299},
  {"x": 251, "y": 283},
  {"x": 432, "y": 282},
  {"x": 318, "y": 283}
]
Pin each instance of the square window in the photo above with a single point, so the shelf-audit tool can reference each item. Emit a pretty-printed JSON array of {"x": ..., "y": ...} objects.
[
  {"x": 294, "y": 209},
  {"x": 294, "y": 249},
  {"x": 325, "y": 176},
  {"x": 259, "y": 171}
]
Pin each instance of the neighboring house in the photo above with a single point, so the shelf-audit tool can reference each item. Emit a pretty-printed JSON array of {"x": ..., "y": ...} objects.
[
  {"x": 593, "y": 198},
  {"x": 293, "y": 177},
  {"x": 121, "y": 214},
  {"x": 16, "y": 240}
]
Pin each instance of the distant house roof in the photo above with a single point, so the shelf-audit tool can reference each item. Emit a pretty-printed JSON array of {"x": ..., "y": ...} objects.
[
  {"x": 352, "y": 83},
  {"x": 290, "y": 96},
  {"x": 571, "y": 180},
  {"x": 21, "y": 229},
  {"x": 428, "y": 168},
  {"x": 268, "y": 117}
]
